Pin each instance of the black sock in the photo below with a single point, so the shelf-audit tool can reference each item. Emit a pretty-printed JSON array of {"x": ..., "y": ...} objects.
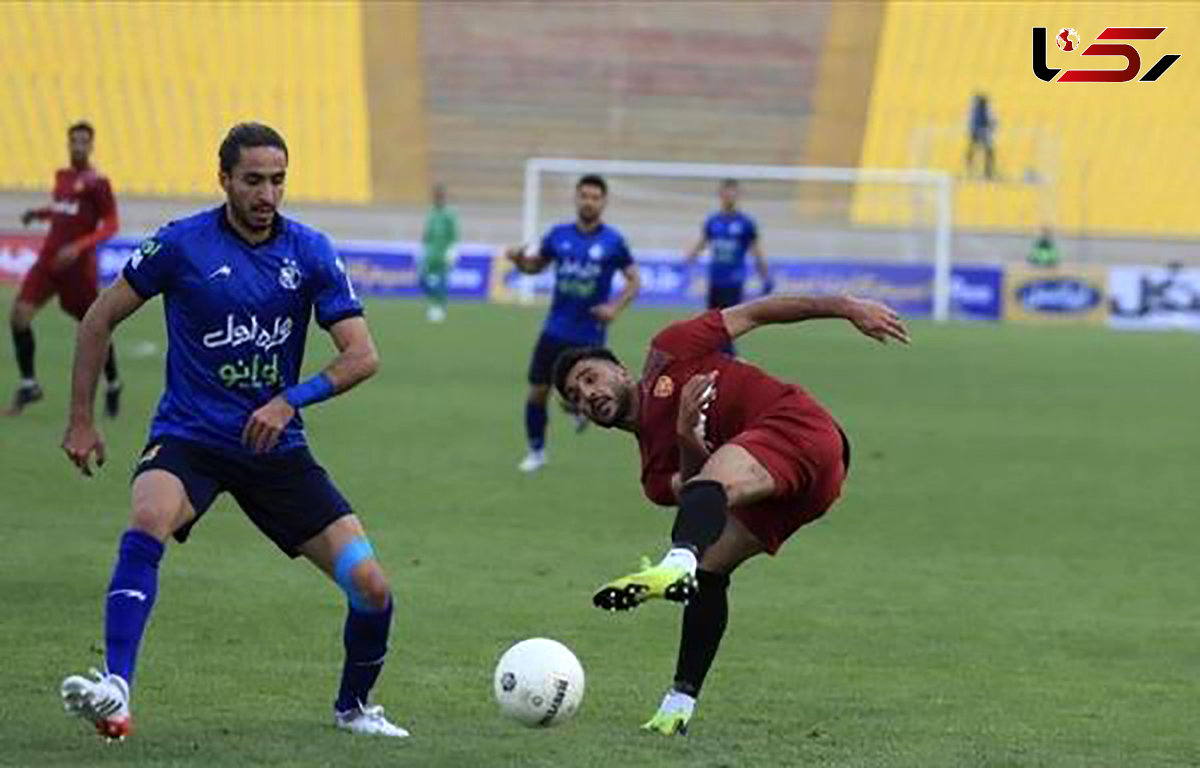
[
  {"x": 23, "y": 343},
  {"x": 110, "y": 366},
  {"x": 704, "y": 621},
  {"x": 701, "y": 515},
  {"x": 365, "y": 638}
]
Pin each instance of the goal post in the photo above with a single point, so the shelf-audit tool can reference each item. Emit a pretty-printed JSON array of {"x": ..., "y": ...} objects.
[{"x": 938, "y": 185}]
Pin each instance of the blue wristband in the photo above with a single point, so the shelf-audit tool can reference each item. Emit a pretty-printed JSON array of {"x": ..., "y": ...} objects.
[{"x": 316, "y": 389}]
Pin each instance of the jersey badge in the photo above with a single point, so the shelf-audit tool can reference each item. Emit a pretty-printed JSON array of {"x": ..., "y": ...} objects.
[
  {"x": 664, "y": 387},
  {"x": 289, "y": 275}
]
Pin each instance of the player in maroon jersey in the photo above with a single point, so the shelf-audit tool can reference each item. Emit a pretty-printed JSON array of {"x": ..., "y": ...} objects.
[
  {"x": 747, "y": 458},
  {"x": 82, "y": 214}
]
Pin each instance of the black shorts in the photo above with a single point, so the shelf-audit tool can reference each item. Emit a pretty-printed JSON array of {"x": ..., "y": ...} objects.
[
  {"x": 541, "y": 367},
  {"x": 724, "y": 295},
  {"x": 288, "y": 496}
]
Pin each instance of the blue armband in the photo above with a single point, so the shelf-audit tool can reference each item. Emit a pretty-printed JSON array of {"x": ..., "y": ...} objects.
[{"x": 316, "y": 389}]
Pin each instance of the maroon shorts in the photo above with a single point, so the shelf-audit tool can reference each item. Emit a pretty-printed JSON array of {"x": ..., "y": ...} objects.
[
  {"x": 75, "y": 286},
  {"x": 807, "y": 456}
]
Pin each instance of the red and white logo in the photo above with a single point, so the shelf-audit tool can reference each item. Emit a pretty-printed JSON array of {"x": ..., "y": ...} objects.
[{"x": 1067, "y": 39}]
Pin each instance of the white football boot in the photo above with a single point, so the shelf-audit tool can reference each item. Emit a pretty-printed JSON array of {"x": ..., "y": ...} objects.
[
  {"x": 369, "y": 720},
  {"x": 104, "y": 701},
  {"x": 533, "y": 461}
]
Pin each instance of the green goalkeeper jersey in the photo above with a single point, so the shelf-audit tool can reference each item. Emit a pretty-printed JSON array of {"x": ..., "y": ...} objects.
[{"x": 441, "y": 232}]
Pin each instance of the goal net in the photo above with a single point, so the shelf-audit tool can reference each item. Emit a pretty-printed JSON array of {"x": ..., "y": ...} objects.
[{"x": 804, "y": 213}]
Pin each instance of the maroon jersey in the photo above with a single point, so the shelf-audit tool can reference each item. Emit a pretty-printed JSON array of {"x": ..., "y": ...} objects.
[
  {"x": 82, "y": 200},
  {"x": 744, "y": 394}
]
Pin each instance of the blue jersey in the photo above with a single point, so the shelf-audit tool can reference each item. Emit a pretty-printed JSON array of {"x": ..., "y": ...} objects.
[
  {"x": 729, "y": 236},
  {"x": 584, "y": 264},
  {"x": 237, "y": 317}
]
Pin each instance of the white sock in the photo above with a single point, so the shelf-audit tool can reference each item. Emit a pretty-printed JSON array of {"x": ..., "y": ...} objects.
[
  {"x": 681, "y": 556},
  {"x": 26, "y": 383},
  {"x": 675, "y": 701}
]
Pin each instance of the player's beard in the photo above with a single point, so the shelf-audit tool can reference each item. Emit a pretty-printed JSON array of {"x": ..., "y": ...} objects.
[
  {"x": 624, "y": 405},
  {"x": 588, "y": 216},
  {"x": 255, "y": 221}
]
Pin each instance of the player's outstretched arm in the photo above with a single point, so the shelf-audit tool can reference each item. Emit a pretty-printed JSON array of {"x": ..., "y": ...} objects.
[
  {"x": 35, "y": 214},
  {"x": 524, "y": 261},
  {"x": 114, "y": 304},
  {"x": 871, "y": 318},
  {"x": 357, "y": 360}
]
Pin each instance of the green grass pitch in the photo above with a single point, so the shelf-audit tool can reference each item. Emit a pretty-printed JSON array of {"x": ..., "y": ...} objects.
[{"x": 1010, "y": 579}]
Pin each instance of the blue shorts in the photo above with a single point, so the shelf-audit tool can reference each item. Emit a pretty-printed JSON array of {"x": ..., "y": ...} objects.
[
  {"x": 724, "y": 295},
  {"x": 548, "y": 348},
  {"x": 288, "y": 496}
]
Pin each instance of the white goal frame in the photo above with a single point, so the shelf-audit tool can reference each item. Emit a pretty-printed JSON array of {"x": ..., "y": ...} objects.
[{"x": 940, "y": 182}]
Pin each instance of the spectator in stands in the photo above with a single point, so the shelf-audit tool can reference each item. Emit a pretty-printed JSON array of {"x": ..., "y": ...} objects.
[{"x": 981, "y": 123}]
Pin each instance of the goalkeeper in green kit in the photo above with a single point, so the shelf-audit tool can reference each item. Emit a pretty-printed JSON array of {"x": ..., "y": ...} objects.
[{"x": 439, "y": 237}]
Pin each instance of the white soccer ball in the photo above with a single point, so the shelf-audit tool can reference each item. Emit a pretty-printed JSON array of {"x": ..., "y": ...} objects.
[{"x": 539, "y": 683}]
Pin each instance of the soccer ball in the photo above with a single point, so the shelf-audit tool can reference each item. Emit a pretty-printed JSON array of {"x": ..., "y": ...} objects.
[{"x": 539, "y": 683}]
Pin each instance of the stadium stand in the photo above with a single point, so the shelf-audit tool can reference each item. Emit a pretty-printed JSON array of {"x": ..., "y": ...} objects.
[
  {"x": 163, "y": 87},
  {"x": 1114, "y": 158},
  {"x": 506, "y": 81},
  {"x": 382, "y": 98}
]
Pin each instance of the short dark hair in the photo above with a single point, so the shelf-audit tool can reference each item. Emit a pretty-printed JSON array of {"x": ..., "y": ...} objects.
[
  {"x": 82, "y": 125},
  {"x": 247, "y": 136},
  {"x": 729, "y": 182},
  {"x": 593, "y": 180},
  {"x": 569, "y": 358}
]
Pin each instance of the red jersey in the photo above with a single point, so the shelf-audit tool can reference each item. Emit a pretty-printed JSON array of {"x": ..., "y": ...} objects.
[
  {"x": 743, "y": 394},
  {"x": 82, "y": 200}
]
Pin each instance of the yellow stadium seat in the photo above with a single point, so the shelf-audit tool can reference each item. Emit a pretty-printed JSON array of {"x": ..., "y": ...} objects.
[
  {"x": 1112, "y": 157},
  {"x": 162, "y": 82}
]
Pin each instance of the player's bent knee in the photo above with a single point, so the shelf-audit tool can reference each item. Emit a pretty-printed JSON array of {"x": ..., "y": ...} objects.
[
  {"x": 373, "y": 585},
  {"x": 158, "y": 520},
  {"x": 359, "y": 575},
  {"x": 21, "y": 315},
  {"x": 160, "y": 506},
  {"x": 539, "y": 394}
]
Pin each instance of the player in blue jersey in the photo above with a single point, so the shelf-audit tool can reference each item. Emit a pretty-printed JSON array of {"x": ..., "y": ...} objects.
[
  {"x": 239, "y": 283},
  {"x": 729, "y": 234},
  {"x": 585, "y": 253}
]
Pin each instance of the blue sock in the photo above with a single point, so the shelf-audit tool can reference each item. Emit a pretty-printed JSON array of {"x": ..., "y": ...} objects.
[
  {"x": 535, "y": 425},
  {"x": 131, "y": 594},
  {"x": 365, "y": 637}
]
